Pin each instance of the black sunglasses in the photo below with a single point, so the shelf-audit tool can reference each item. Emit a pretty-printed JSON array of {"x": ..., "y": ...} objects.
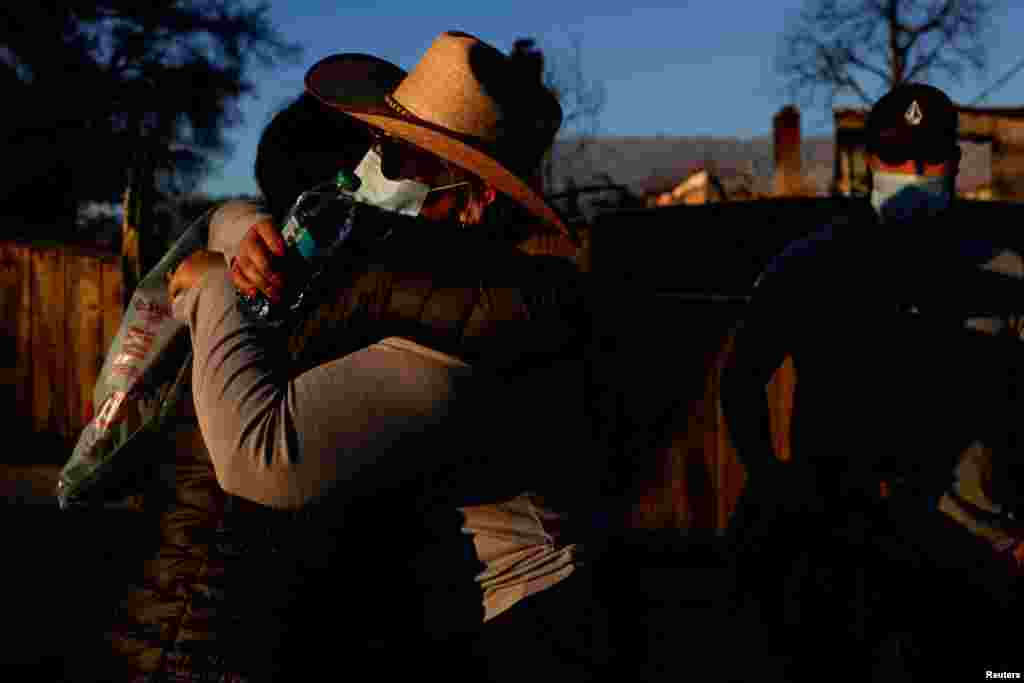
[{"x": 392, "y": 149}]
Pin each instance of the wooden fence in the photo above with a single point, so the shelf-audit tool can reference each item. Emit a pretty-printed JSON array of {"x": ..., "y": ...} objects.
[
  {"x": 690, "y": 475},
  {"x": 60, "y": 307},
  {"x": 698, "y": 262}
]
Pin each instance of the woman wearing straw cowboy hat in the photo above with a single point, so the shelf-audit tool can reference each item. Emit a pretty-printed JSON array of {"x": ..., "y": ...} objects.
[{"x": 433, "y": 405}]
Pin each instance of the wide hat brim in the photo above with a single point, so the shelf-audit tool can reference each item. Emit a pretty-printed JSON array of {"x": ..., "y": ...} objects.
[
  {"x": 361, "y": 79},
  {"x": 326, "y": 80}
]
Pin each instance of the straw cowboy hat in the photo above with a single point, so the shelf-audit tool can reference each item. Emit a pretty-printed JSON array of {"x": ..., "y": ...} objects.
[{"x": 466, "y": 103}]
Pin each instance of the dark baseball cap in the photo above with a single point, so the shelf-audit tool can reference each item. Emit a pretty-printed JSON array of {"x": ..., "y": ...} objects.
[{"x": 913, "y": 121}]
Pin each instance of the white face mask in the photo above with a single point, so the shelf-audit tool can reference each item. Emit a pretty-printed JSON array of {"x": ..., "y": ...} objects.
[
  {"x": 401, "y": 196},
  {"x": 901, "y": 197}
]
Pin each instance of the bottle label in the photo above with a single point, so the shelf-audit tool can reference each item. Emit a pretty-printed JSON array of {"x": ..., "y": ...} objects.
[{"x": 299, "y": 237}]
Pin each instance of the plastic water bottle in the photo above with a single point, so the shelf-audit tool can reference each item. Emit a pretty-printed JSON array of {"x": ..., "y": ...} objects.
[{"x": 320, "y": 219}]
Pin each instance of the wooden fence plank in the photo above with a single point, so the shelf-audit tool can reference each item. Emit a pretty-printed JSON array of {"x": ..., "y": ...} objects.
[
  {"x": 10, "y": 287},
  {"x": 84, "y": 334},
  {"x": 22, "y": 256},
  {"x": 702, "y": 460},
  {"x": 780, "y": 392},
  {"x": 726, "y": 472},
  {"x": 11, "y": 282},
  {"x": 111, "y": 301},
  {"x": 69, "y": 398},
  {"x": 49, "y": 353}
]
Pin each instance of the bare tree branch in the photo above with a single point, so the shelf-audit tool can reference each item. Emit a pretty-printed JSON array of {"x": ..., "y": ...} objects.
[
  {"x": 581, "y": 98},
  {"x": 859, "y": 63},
  {"x": 999, "y": 83},
  {"x": 864, "y": 47}
]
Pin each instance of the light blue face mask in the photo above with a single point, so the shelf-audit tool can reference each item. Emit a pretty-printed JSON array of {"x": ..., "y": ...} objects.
[
  {"x": 401, "y": 196},
  {"x": 902, "y": 197}
]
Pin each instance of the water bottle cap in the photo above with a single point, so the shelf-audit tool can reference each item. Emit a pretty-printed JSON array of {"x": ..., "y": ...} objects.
[{"x": 347, "y": 181}]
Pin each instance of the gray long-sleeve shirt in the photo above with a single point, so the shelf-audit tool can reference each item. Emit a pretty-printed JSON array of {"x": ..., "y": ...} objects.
[{"x": 283, "y": 441}]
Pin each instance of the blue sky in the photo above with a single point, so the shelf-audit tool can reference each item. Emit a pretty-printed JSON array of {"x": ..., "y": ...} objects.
[{"x": 703, "y": 67}]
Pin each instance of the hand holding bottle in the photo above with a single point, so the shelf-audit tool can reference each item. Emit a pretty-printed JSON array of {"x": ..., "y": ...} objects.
[
  {"x": 256, "y": 267},
  {"x": 319, "y": 220}
]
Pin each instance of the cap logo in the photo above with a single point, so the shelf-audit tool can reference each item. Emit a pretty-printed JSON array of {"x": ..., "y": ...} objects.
[{"x": 914, "y": 116}]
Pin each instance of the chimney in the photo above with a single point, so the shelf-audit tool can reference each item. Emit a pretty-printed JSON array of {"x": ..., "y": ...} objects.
[{"x": 788, "y": 168}]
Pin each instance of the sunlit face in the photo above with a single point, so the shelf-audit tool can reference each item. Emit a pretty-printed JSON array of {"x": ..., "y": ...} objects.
[
  {"x": 929, "y": 162},
  {"x": 916, "y": 167}
]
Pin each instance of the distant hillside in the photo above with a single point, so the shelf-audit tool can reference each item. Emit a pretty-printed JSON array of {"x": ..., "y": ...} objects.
[{"x": 647, "y": 164}]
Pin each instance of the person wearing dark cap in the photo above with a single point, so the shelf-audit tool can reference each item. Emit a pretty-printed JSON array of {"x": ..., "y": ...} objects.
[
  {"x": 913, "y": 154},
  {"x": 883, "y": 312},
  {"x": 428, "y": 417},
  {"x": 912, "y": 134}
]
